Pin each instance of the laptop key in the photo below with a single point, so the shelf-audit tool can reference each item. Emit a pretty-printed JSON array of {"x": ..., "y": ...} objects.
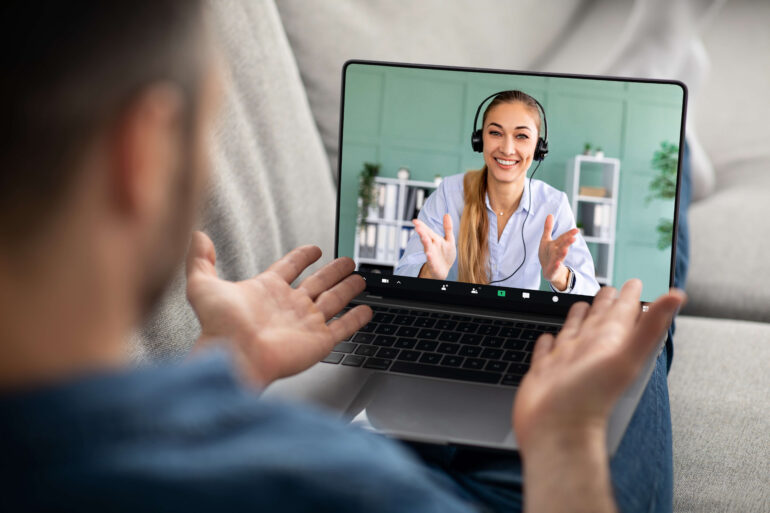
[
  {"x": 384, "y": 340},
  {"x": 407, "y": 331},
  {"x": 446, "y": 372},
  {"x": 493, "y": 342},
  {"x": 431, "y": 358},
  {"x": 518, "y": 368},
  {"x": 496, "y": 366},
  {"x": 428, "y": 333},
  {"x": 474, "y": 363},
  {"x": 333, "y": 358},
  {"x": 469, "y": 351},
  {"x": 377, "y": 363},
  {"x": 366, "y": 350},
  {"x": 344, "y": 347},
  {"x": 488, "y": 329},
  {"x": 514, "y": 356},
  {"x": 387, "y": 352},
  {"x": 386, "y": 329},
  {"x": 462, "y": 318},
  {"x": 449, "y": 336},
  {"x": 424, "y": 322},
  {"x": 510, "y": 332},
  {"x": 492, "y": 354},
  {"x": 512, "y": 343},
  {"x": 369, "y": 328},
  {"x": 408, "y": 356},
  {"x": 452, "y": 360},
  {"x": 467, "y": 327},
  {"x": 364, "y": 338},
  {"x": 405, "y": 343},
  {"x": 403, "y": 320},
  {"x": 440, "y": 315},
  {"x": 353, "y": 360},
  {"x": 426, "y": 345},
  {"x": 445, "y": 325},
  {"x": 448, "y": 348},
  {"x": 471, "y": 339},
  {"x": 382, "y": 317},
  {"x": 511, "y": 379}
]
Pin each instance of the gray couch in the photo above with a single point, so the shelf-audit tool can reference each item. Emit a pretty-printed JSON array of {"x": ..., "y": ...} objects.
[{"x": 275, "y": 163}]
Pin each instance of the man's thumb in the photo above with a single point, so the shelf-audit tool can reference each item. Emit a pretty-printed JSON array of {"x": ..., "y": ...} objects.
[{"x": 201, "y": 256}]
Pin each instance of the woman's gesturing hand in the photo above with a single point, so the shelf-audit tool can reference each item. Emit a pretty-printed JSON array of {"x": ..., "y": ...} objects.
[
  {"x": 552, "y": 252},
  {"x": 274, "y": 330},
  {"x": 440, "y": 252}
]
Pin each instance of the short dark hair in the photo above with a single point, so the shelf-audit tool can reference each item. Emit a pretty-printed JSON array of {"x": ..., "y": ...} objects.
[{"x": 67, "y": 68}]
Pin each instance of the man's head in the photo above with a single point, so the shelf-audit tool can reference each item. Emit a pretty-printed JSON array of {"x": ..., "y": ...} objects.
[{"x": 104, "y": 111}]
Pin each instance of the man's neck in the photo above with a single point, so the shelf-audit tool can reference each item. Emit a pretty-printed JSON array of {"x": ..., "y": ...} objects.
[{"x": 56, "y": 320}]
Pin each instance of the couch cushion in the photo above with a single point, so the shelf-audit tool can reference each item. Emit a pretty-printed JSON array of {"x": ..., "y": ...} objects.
[
  {"x": 271, "y": 188},
  {"x": 730, "y": 243},
  {"x": 720, "y": 411}
]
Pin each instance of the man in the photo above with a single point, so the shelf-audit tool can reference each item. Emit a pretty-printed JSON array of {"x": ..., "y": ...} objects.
[{"x": 107, "y": 110}]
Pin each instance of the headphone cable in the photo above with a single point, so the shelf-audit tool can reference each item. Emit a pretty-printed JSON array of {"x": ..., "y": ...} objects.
[{"x": 523, "y": 242}]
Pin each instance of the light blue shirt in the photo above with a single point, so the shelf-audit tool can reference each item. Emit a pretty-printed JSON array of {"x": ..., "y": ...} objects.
[{"x": 506, "y": 254}]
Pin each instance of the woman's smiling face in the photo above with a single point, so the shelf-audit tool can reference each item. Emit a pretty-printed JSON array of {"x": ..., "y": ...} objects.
[{"x": 510, "y": 137}]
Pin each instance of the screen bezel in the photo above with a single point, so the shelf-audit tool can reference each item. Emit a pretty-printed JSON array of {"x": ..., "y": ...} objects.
[{"x": 459, "y": 293}]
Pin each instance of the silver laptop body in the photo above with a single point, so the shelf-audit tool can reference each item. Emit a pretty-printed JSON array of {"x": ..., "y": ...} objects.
[{"x": 440, "y": 410}]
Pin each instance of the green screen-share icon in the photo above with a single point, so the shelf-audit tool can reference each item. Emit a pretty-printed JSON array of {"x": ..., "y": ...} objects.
[{"x": 501, "y": 293}]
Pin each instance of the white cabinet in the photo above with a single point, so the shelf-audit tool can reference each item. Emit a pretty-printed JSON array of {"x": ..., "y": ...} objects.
[{"x": 596, "y": 214}]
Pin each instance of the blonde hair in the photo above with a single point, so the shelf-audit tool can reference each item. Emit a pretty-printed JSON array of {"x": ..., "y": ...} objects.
[{"x": 473, "y": 245}]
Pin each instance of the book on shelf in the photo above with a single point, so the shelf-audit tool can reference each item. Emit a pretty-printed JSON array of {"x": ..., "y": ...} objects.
[{"x": 596, "y": 192}]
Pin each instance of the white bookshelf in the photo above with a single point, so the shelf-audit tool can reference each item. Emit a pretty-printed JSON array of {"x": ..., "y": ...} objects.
[
  {"x": 380, "y": 235},
  {"x": 597, "y": 215}
]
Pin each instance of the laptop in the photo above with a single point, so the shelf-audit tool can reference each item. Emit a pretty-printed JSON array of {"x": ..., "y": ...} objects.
[{"x": 441, "y": 360}]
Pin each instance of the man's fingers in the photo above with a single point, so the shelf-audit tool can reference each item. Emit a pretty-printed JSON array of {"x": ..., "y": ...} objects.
[
  {"x": 291, "y": 265},
  {"x": 449, "y": 235},
  {"x": 547, "y": 228},
  {"x": 577, "y": 313},
  {"x": 543, "y": 346},
  {"x": 349, "y": 323},
  {"x": 627, "y": 307},
  {"x": 327, "y": 276},
  {"x": 652, "y": 325},
  {"x": 201, "y": 257},
  {"x": 602, "y": 301},
  {"x": 333, "y": 300}
]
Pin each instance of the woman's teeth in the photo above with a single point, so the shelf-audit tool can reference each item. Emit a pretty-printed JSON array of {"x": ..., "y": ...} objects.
[{"x": 507, "y": 162}]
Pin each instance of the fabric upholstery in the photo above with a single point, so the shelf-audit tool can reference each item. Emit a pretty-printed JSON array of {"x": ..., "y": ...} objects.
[{"x": 718, "y": 388}]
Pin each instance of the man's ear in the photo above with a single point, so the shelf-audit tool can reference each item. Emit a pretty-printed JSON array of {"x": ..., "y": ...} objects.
[{"x": 146, "y": 150}]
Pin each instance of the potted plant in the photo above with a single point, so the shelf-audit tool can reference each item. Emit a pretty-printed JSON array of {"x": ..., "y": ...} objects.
[
  {"x": 366, "y": 189},
  {"x": 599, "y": 153},
  {"x": 587, "y": 149},
  {"x": 663, "y": 186}
]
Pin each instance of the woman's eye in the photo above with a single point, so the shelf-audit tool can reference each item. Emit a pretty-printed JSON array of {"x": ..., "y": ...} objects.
[
  {"x": 494, "y": 132},
  {"x": 522, "y": 136}
]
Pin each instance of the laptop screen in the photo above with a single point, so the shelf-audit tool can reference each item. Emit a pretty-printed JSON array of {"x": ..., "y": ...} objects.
[{"x": 508, "y": 186}]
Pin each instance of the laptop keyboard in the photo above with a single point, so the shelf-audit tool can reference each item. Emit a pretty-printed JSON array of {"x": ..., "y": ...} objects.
[{"x": 442, "y": 345}]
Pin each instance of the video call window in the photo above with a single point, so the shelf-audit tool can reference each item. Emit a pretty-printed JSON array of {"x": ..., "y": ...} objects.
[{"x": 598, "y": 210}]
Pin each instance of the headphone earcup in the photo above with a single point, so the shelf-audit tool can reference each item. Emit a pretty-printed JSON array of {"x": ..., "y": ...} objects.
[
  {"x": 477, "y": 142},
  {"x": 541, "y": 150}
]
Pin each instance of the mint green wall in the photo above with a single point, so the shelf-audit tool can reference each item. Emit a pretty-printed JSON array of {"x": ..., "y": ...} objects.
[{"x": 422, "y": 119}]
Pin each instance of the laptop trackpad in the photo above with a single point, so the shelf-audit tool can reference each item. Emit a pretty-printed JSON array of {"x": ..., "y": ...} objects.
[{"x": 438, "y": 411}]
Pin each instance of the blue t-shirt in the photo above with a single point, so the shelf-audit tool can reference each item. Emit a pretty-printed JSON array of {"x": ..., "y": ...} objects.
[{"x": 189, "y": 438}]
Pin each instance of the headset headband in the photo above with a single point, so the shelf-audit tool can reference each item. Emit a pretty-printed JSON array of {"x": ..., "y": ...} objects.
[{"x": 540, "y": 106}]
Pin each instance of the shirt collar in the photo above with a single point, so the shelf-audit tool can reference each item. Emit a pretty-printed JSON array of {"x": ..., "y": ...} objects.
[{"x": 523, "y": 203}]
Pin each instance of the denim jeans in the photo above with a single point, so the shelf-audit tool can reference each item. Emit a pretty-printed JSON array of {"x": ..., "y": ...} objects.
[{"x": 642, "y": 467}]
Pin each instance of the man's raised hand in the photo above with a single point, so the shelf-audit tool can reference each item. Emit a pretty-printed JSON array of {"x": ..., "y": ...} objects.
[{"x": 275, "y": 330}]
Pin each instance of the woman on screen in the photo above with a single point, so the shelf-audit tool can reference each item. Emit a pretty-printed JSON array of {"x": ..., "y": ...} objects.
[{"x": 493, "y": 226}]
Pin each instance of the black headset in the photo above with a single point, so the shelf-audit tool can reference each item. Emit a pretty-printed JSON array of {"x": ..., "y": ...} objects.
[
  {"x": 541, "y": 150},
  {"x": 477, "y": 141}
]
